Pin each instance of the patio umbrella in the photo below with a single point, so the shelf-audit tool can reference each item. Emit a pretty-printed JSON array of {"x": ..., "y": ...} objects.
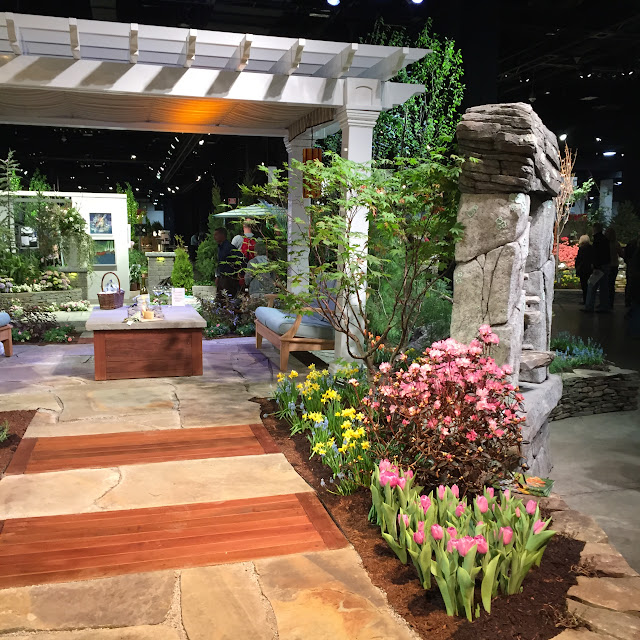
[{"x": 253, "y": 211}]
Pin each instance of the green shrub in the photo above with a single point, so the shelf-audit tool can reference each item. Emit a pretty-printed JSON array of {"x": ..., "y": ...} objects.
[
  {"x": 182, "y": 274},
  {"x": 248, "y": 329},
  {"x": 32, "y": 323},
  {"x": 217, "y": 330},
  {"x": 63, "y": 333},
  {"x": 4, "y": 431},
  {"x": 573, "y": 353}
]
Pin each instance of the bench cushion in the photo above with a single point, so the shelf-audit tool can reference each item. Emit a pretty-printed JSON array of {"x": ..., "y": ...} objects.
[
  {"x": 4, "y": 318},
  {"x": 314, "y": 326}
]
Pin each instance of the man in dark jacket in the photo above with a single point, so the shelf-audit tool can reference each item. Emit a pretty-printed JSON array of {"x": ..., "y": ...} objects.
[
  {"x": 601, "y": 259},
  {"x": 230, "y": 264}
]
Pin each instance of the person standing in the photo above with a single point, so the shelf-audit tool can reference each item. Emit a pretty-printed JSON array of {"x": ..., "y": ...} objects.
[
  {"x": 230, "y": 264},
  {"x": 599, "y": 279},
  {"x": 615, "y": 250},
  {"x": 246, "y": 244},
  {"x": 628, "y": 253},
  {"x": 259, "y": 283},
  {"x": 584, "y": 264}
]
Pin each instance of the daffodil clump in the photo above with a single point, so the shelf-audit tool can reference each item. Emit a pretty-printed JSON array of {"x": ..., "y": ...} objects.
[{"x": 323, "y": 406}]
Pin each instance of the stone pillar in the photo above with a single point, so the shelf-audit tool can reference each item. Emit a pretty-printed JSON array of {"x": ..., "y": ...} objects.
[
  {"x": 507, "y": 184},
  {"x": 160, "y": 268},
  {"x": 505, "y": 267},
  {"x": 297, "y": 218},
  {"x": 357, "y": 142}
]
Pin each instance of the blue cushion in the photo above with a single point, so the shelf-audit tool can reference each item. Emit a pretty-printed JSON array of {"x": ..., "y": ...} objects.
[
  {"x": 4, "y": 318},
  {"x": 280, "y": 322}
]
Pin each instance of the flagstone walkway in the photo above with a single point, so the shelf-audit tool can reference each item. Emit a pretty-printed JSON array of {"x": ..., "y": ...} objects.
[{"x": 161, "y": 510}]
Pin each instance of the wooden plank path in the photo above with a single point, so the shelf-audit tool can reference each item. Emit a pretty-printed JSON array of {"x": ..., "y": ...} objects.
[
  {"x": 96, "y": 545},
  {"x": 39, "y": 455}
]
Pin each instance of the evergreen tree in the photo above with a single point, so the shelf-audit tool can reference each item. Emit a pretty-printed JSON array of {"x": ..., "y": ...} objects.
[{"x": 182, "y": 274}]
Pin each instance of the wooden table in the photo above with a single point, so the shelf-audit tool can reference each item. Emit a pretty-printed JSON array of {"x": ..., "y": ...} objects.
[{"x": 171, "y": 347}]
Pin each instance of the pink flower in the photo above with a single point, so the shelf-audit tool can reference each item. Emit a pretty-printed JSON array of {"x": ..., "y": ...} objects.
[
  {"x": 506, "y": 534},
  {"x": 538, "y": 526},
  {"x": 484, "y": 330},
  {"x": 490, "y": 491},
  {"x": 418, "y": 537},
  {"x": 387, "y": 477},
  {"x": 69, "y": 339},
  {"x": 385, "y": 465},
  {"x": 452, "y": 531},
  {"x": 531, "y": 507},
  {"x": 460, "y": 510},
  {"x": 437, "y": 532},
  {"x": 385, "y": 367},
  {"x": 464, "y": 545},
  {"x": 518, "y": 512},
  {"x": 455, "y": 490},
  {"x": 425, "y": 503},
  {"x": 472, "y": 435},
  {"x": 401, "y": 482},
  {"x": 483, "y": 545},
  {"x": 482, "y": 504},
  {"x": 507, "y": 494},
  {"x": 441, "y": 491},
  {"x": 403, "y": 517},
  {"x": 409, "y": 474}
]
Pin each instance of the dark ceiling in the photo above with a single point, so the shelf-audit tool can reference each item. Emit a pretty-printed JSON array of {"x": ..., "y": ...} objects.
[{"x": 576, "y": 61}]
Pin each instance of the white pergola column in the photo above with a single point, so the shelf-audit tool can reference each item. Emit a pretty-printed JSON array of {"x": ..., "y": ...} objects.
[
  {"x": 357, "y": 145},
  {"x": 298, "y": 232}
]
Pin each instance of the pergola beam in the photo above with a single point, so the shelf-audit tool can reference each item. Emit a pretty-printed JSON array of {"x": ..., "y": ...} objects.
[
  {"x": 133, "y": 43},
  {"x": 291, "y": 59},
  {"x": 339, "y": 64},
  {"x": 74, "y": 38},
  {"x": 13, "y": 32},
  {"x": 387, "y": 67},
  {"x": 240, "y": 59},
  {"x": 190, "y": 44}
]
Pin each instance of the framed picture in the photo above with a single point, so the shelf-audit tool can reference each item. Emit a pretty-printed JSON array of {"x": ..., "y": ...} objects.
[
  {"x": 105, "y": 252},
  {"x": 100, "y": 223}
]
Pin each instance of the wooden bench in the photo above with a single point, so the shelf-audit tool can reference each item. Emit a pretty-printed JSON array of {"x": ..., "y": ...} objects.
[
  {"x": 288, "y": 342},
  {"x": 7, "y": 340}
]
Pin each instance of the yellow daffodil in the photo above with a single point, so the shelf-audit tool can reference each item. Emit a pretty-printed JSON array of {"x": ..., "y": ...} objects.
[
  {"x": 360, "y": 416},
  {"x": 293, "y": 374},
  {"x": 346, "y": 424},
  {"x": 365, "y": 445}
]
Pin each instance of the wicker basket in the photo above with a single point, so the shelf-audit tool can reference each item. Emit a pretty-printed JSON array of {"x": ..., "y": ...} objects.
[{"x": 111, "y": 299}]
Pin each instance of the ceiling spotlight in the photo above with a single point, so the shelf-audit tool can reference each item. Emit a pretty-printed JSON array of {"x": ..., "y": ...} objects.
[
  {"x": 333, "y": 3},
  {"x": 201, "y": 142},
  {"x": 562, "y": 137},
  {"x": 133, "y": 156},
  {"x": 200, "y": 177},
  {"x": 608, "y": 154},
  {"x": 173, "y": 146},
  {"x": 176, "y": 138},
  {"x": 598, "y": 139},
  {"x": 618, "y": 183},
  {"x": 177, "y": 188},
  {"x": 110, "y": 188},
  {"x": 416, "y": 1}
]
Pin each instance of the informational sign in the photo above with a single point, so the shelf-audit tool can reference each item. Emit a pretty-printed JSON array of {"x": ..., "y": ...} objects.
[
  {"x": 178, "y": 297},
  {"x": 232, "y": 201}
]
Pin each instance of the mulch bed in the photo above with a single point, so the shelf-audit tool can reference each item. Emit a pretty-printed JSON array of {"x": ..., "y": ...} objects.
[
  {"x": 18, "y": 422},
  {"x": 538, "y": 613}
]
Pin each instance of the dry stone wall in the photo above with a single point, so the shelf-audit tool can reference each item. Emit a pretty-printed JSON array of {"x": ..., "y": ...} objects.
[{"x": 40, "y": 297}]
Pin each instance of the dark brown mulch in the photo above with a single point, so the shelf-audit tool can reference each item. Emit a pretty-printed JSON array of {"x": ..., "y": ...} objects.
[
  {"x": 18, "y": 422},
  {"x": 538, "y": 613}
]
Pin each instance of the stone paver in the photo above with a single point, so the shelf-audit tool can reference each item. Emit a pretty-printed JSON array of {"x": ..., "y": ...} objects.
[
  {"x": 46, "y": 424},
  {"x": 28, "y": 401},
  {"x": 122, "y": 601},
  {"x": 327, "y": 596},
  {"x": 581, "y": 634},
  {"x": 603, "y": 558},
  {"x": 132, "y": 633},
  {"x": 578, "y": 526},
  {"x": 617, "y": 625},
  {"x": 147, "y": 485},
  {"x": 617, "y": 594},
  {"x": 233, "y": 589},
  {"x": 119, "y": 398}
]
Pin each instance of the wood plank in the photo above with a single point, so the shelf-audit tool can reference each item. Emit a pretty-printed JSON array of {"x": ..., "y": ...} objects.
[
  {"x": 99, "y": 355},
  {"x": 322, "y": 521},
  {"x": 264, "y": 438},
  {"x": 21, "y": 457},
  {"x": 82, "y": 546},
  {"x": 196, "y": 352}
]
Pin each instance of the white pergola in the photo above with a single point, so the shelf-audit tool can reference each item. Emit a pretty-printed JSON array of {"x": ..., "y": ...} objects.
[{"x": 87, "y": 73}]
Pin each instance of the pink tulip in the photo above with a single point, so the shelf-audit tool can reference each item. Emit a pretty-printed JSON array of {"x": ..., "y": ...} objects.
[
  {"x": 518, "y": 511},
  {"x": 385, "y": 478},
  {"x": 437, "y": 532},
  {"x": 483, "y": 545},
  {"x": 482, "y": 504},
  {"x": 402, "y": 482},
  {"x": 506, "y": 533},
  {"x": 418, "y": 537},
  {"x": 451, "y": 545},
  {"x": 455, "y": 490},
  {"x": 425, "y": 503},
  {"x": 538, "y": 526},
  {"x": 409, "y": 474},
  {"x": 403, "y": 517},
  {"x": 507, "y": 494},
  {"x": 421, "y": 526},
  {"x": 385, "y": 465},
  {"x": 441, "y": 491},
  {"x": 452, "y": 531},
  {"x": 464, "y": 545},
  {"x": 460, "y": 510},
  {"x": 531, "y": 507},
  {"x": 490, "y": 491}
]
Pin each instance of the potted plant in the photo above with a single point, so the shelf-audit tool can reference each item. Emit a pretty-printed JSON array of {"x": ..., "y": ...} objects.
[{"x": 135, "y": 276}]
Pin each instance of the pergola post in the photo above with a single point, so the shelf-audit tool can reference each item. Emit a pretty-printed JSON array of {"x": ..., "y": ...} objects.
[
  {"x": 357, "y": 145},
  {"x": 297, "y": 231}
]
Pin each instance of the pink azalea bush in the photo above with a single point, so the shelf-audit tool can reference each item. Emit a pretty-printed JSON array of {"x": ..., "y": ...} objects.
[
  {"x": 566, "y": 253},
  {"x": 452, "y": 415},
  {"x": 494, "y": 540}
]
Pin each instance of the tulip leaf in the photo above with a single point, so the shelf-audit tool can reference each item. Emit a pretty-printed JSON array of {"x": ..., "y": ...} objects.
[{"x": 488, "y": 581}]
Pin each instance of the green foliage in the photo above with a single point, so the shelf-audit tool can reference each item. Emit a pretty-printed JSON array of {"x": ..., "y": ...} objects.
[
  {"x": 627, "y": 222},
  {"x": 217, "y": 330},
  {"x": 569, "y": 280},
  {"x": 9, "y": 182},
  {"x": 21, "y": 267},
  {"x": 411, "y": 210},
  {"x": 137, "y": 257},
  {"x": 133, "y": 217},
  {"x": 572, "y": 352},
  {"x": 248, "y": 329},
  {"x": 4, "y": 431},
  {"x": 182, "y": 274},
  {"x": 39, "y": 182},
  {"x": 32, "y": 324},
  {"x": 207, "y": 253},
  {"x": 62, "y": 333}
]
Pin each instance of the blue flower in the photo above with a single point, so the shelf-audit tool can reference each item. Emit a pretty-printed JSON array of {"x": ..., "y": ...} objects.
[{"x": 323, "y": 483}]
